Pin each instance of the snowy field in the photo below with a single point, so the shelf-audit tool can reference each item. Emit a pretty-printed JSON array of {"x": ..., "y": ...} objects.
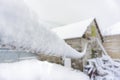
[{"x": 38, "y": 70}]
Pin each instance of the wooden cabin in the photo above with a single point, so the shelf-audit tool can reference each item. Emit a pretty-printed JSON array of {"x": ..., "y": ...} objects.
[{"x": 77, "y": 35}]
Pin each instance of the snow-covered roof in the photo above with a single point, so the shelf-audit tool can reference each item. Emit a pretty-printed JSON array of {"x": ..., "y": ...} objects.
[
  {"x": 73, "y": 30},
  {"x": 113, "y": 30}
]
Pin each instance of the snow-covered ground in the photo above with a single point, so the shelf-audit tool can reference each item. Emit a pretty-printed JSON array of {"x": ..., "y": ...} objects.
[
  {"x": 38, "y": 70},
  {"x": 20, "y": 27}
]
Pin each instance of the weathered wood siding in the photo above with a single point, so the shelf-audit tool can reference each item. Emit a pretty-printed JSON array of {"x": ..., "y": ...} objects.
[
  {"x": 112, "y": 45},
  {"x": 52, "y": 59},
  {"x": 75, "y": 43}
]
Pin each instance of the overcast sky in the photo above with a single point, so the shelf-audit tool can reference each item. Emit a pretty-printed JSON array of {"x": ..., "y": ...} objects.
[{"x": 107, "y": 12}]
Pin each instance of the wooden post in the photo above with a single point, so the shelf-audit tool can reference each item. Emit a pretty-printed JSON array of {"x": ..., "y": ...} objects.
[{"x": 67, "y": 62}]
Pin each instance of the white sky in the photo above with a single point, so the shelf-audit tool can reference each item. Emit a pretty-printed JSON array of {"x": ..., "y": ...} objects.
[{"x": 63, "y": 12}]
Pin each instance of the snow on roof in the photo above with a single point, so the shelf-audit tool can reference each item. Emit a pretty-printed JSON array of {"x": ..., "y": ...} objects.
[
  {"x": 73, "y": 30},
  {"x": 113, "y": 30}
]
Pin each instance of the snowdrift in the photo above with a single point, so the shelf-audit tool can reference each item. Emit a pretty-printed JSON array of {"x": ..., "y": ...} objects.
[
  {"x": 38, "y": 70},
  {"x": 19, "y": 27}
]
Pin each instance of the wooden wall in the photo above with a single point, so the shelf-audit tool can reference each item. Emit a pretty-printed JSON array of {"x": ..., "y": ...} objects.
[
  {"x": 75, "y": 43},
  {"x": 112, "y": 45}
]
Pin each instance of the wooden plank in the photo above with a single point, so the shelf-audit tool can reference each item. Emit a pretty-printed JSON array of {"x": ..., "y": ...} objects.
[{"x": 114, "y": 55}]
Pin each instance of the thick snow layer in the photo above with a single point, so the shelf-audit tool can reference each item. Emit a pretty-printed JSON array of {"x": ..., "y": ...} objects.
[
  {"x": 113, "y": 30},
  {"x": 38, "y": 70},
  {"x": 19, "y": 27},
  {"x": 73, "y": 30}
]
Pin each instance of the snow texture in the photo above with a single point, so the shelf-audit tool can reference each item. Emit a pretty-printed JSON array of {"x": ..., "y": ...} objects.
[
  {"x": 103, "y": 68},
  {"x": 38, "y": 70},
  {"x": 73, "y": 30},
  {"x": 19, "y": 27},
  {"x": 113, "y": 30}
]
